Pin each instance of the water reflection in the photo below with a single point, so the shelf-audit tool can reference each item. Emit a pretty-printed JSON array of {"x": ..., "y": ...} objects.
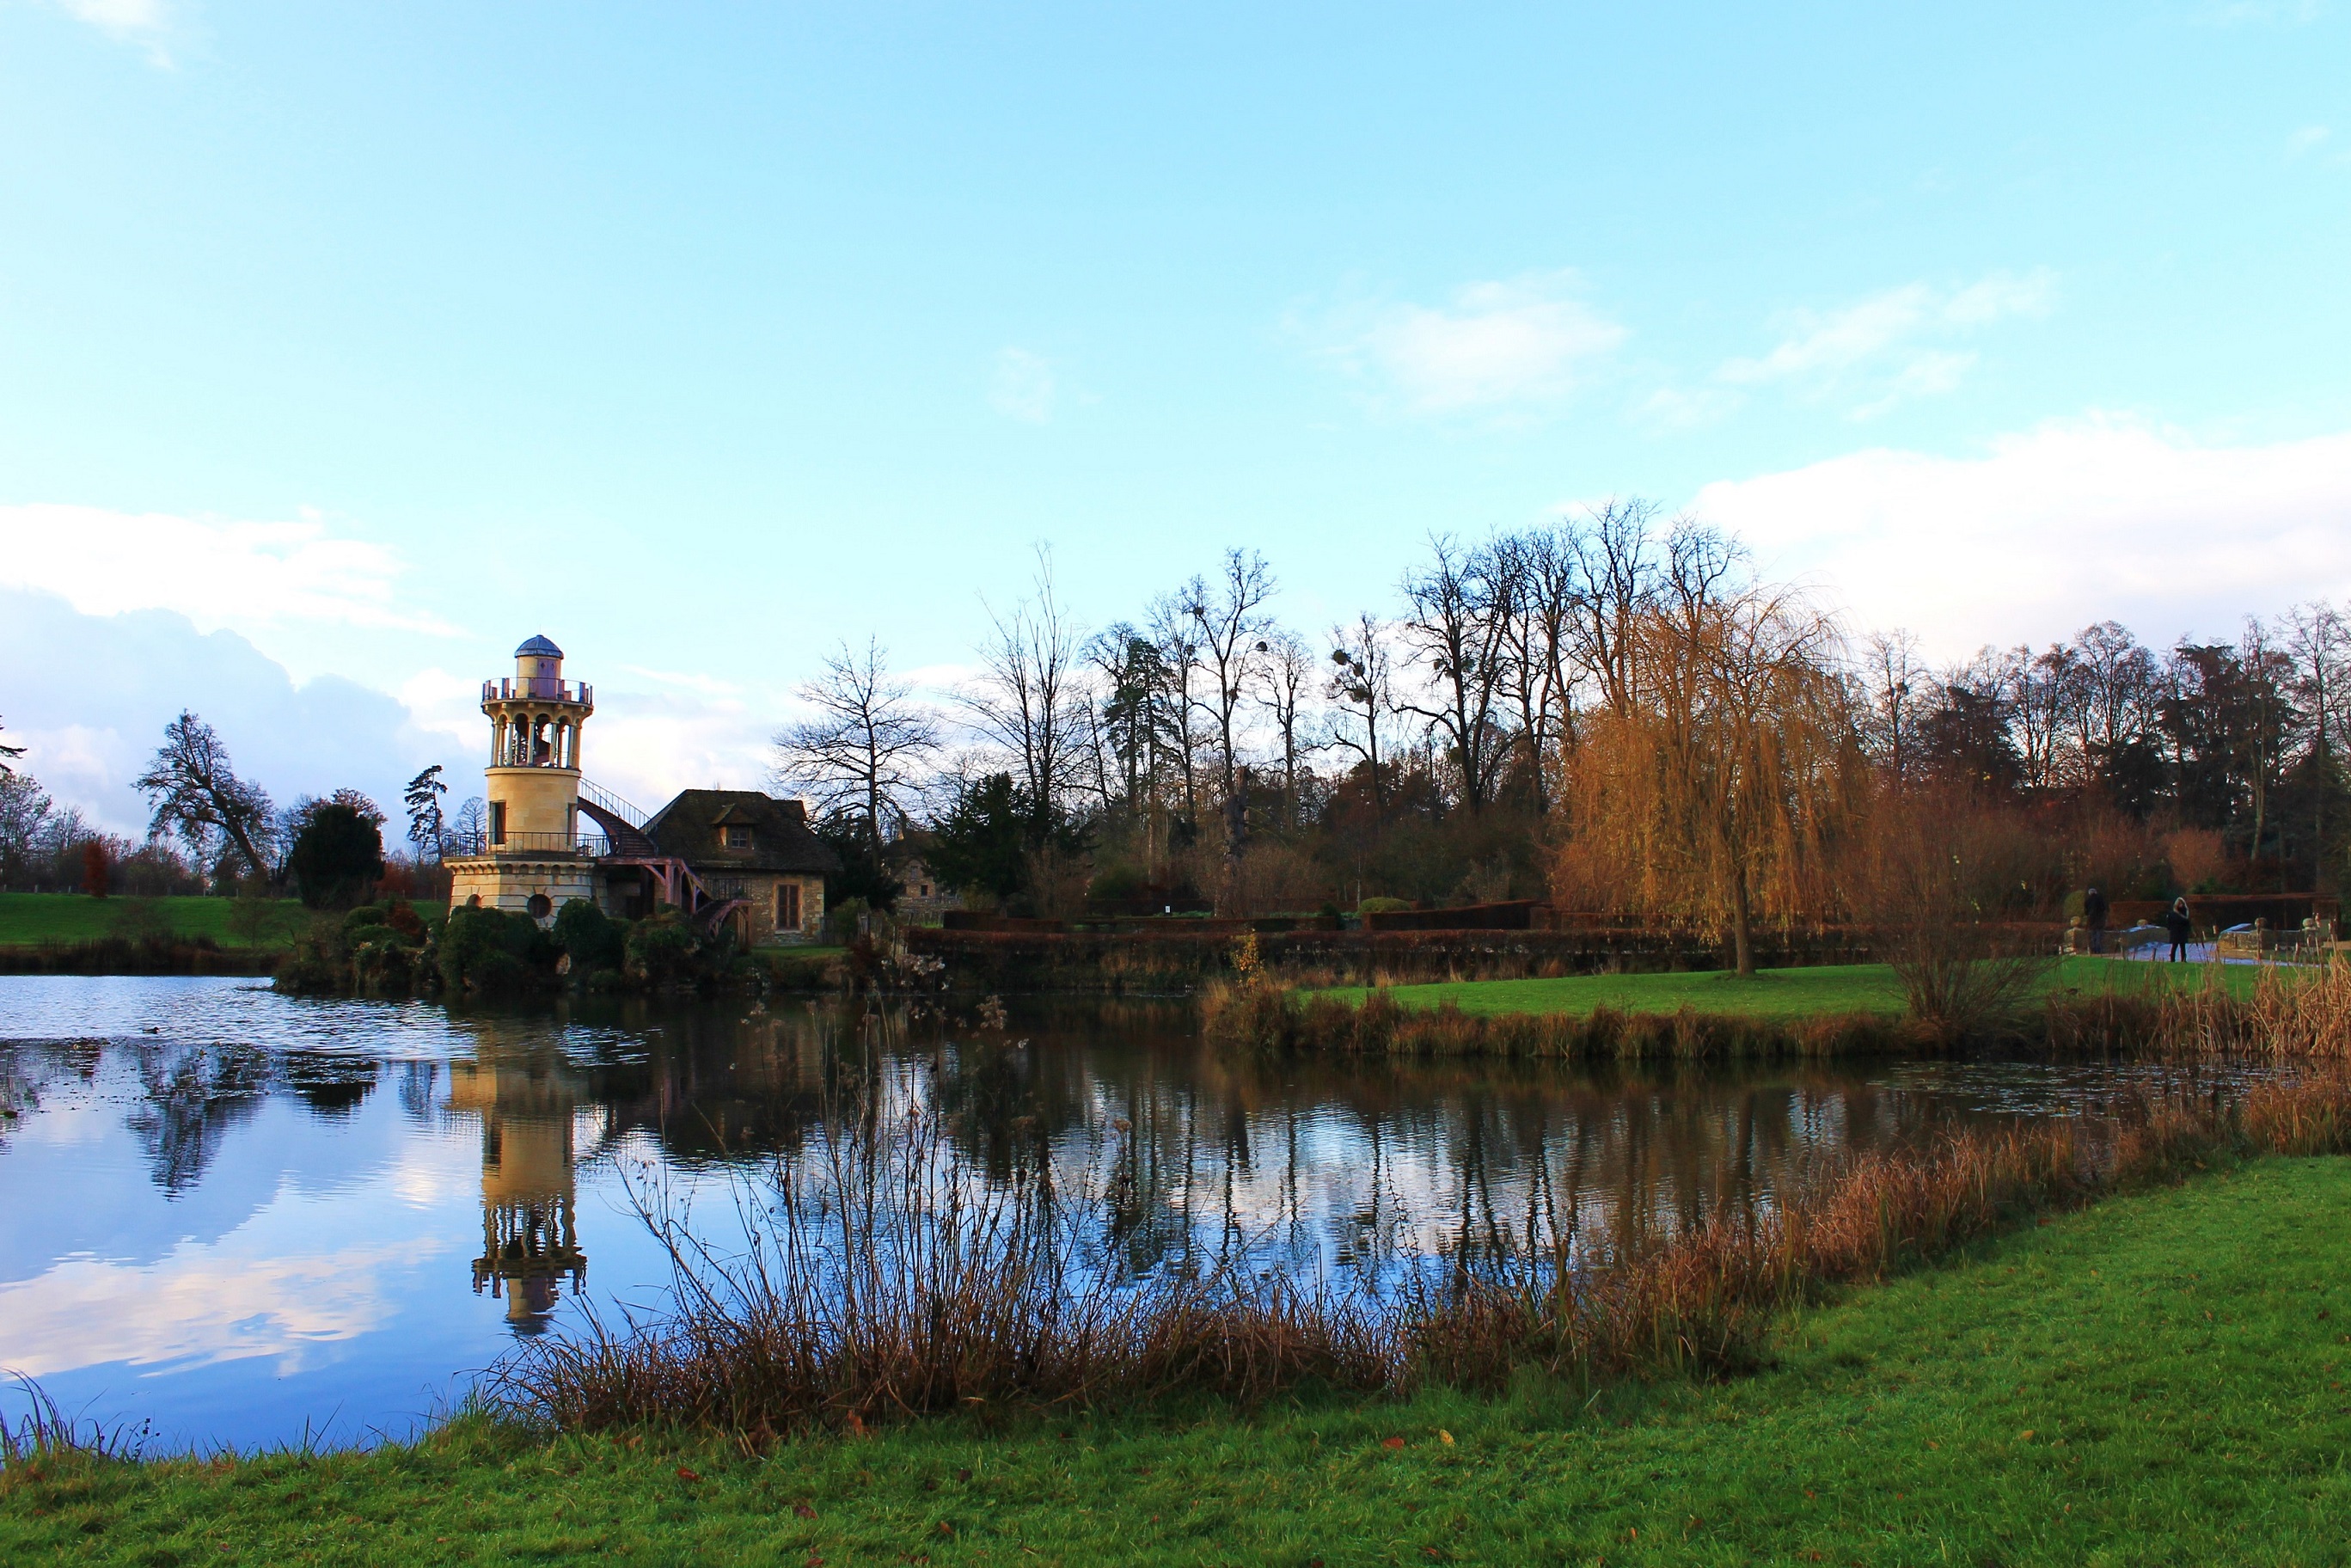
[
  {"x": 206, "y": 1130},
  {"x": 530, "y": 1220}
]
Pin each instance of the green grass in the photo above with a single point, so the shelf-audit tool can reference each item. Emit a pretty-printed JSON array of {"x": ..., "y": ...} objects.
[
  {"x": 2158, "y": 1380},
  {"x": 28, "y": 919},
  {"x": 1822, "y": 989}
]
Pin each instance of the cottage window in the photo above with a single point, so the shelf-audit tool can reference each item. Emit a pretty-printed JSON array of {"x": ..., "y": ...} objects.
[
  {"x": 738, "y": 837},
  {"x": 788, "y": 906}
]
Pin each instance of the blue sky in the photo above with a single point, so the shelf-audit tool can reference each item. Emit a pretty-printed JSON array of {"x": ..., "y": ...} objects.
[{"x": 702, "y": 336}]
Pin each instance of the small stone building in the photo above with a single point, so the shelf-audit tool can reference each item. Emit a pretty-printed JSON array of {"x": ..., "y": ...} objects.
[{"x": 744, "y": 845}]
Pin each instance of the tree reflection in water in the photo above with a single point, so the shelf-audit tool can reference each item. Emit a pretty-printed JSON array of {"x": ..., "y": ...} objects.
[{"x": 1186, "y": 1156}]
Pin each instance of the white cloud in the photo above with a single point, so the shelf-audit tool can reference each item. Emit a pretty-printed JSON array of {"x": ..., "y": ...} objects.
[
  {"x": 1023, "y": 387},
  {"x": 147, "y": 24},
  {"x": 2071, "y": 523},
  {"x": 202, "y": 1305},
  {"x": 90, "y": 695},
  {"x": 246, "y": 575},
  {"x": 1674, "y": 409},
  {"x": 1883, "y": 348},
  {"x": 2308, "y": 138},
  {"x": 1523, "y": 340}
]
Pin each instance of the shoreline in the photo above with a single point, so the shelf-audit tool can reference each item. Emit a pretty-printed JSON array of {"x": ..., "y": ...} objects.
[{"x": 2055, "y": 1392}]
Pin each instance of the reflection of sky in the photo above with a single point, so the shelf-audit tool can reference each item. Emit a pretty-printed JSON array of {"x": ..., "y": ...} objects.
[{"x": 257, "y": 1220}]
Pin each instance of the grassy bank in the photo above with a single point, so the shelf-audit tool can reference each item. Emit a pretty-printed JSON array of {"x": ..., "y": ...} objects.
[
  {"x": 31, "y": 919},
  {"x": 2157, "y": 1379},
  {"x": 1820, "y": 990}
]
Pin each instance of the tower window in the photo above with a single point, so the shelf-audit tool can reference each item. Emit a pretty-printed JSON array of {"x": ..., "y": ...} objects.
[{"x": 497, "y": 821}]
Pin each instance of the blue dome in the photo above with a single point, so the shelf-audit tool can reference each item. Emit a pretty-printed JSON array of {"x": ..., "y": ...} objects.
[{"x": 541, "y": 647}]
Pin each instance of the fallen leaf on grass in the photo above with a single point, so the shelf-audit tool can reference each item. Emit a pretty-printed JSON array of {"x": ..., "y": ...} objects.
[
  {"x": 1445, "y": 1436},
  {"x": 2025, "y": 1436},
  {"x": 686, "y": 1475},
  {"x": 804, "y": 1510},
  {"x": 1391, "y": 1442}
]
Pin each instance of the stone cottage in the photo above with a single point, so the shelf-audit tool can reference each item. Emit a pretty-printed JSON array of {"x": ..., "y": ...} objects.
[{"x": 752, "y": 850}]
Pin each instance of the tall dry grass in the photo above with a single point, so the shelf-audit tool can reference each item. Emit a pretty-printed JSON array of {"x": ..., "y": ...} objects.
[
  {"x": 886, "y": 1282},
  {"x": 2293, "y": 1014}
]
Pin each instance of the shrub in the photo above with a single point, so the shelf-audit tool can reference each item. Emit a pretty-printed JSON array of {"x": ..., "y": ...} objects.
[
  {"x": 336, "y": 858},
  {"x": 492, "y": 950},
  {"x": 592, "y": 939},
  {"x": 1382, "y": 906},
  {"x": 665, "y": 950}
]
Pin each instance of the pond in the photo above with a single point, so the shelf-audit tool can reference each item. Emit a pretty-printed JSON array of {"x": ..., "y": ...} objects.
[{"x": 230, "y": 1217}]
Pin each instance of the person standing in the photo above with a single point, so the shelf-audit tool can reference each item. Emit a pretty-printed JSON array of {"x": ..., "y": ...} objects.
[
  {"x": 2093, "y": 915},
  {"x": 2176, "y": 922}
]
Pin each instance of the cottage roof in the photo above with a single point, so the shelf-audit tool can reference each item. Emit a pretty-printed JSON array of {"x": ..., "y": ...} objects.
[{"x": 692, "y": 827}]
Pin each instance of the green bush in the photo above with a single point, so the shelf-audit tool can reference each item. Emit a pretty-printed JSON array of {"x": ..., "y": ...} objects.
[
  {"x": 592, "y": 938},
  {"x": 1382, "y": 905},
  {"x": 664, "y": 949},
  {"x": 492, "y": 950},
  {"x": 336, "y": 858}
]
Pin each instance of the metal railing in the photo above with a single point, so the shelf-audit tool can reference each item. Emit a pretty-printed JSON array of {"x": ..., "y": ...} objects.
[
  {"x": 586, "y": 846},
  {"x": 543, "y": 688},
  {"x": 612, "y": 803}
]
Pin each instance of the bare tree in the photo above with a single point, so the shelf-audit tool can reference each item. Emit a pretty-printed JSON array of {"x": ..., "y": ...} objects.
[
  {"x": 2120, "y": 682},
  {"x": 1458, "y": 608},
  {"x": 1897, "y": 687},
  {"x": 864, "y": 751},
  {"x": 2318, "y": 640},
  {"x": 1539, "y": 571},
  {"x": 195, "y": 793},
  {"x": 2043, "y": 693},
  {"x": 1286, "y": 678},
  {"x": 1361, "y": 684},
  {"x": 8, "y": 753},
  {"x": 1227, "y": 623},
  {"x": 1616, "y": 559},
  {"x": 1175, "y": 637},
  {"x": 470, "y": 827},
  {"x": 1025, "y": 701}
]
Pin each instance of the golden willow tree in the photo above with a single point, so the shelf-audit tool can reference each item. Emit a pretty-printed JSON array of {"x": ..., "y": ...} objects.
[{"x": 1720, "y": 789}]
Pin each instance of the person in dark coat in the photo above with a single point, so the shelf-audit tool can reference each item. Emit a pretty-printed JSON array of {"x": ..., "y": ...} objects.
[
  {"x": 2176, "y": 922},
  {"x": 2093, "y": 915}
]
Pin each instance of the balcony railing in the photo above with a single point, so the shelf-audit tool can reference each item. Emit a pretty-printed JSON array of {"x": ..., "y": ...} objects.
[
  {"x": 538, "y": 688},
  {"x": 585, "y": 846}
]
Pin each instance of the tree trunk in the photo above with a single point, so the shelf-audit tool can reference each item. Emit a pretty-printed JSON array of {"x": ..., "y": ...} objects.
[{"x": 1742, "y": 938}]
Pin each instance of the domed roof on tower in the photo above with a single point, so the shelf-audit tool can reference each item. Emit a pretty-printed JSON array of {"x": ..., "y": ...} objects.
[{"x": 538, "y": 647}]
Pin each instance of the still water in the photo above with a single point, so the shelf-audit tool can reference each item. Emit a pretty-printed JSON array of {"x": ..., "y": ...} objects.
[{"x": 233, "y": 1218}]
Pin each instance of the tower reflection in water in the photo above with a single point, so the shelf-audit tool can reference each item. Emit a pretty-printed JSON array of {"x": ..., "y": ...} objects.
[{"x": 530, "y": 1235}]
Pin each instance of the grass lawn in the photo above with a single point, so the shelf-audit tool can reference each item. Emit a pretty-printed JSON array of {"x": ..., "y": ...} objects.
[
  {"x": 2158, "y": 1380},
  {"x": 1769, "y": 993},
  {"x": 32, "y": 918}
]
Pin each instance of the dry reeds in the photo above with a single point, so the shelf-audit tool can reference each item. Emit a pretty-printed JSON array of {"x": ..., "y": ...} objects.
[
  {"x": 2292, "y": 1014},
  {"x": 884, "y": 1283},
  {"x": 1701, "y": 1303}
]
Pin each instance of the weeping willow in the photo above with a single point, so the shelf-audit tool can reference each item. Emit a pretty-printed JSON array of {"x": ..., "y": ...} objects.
[{"x": 1720, "y": 793}]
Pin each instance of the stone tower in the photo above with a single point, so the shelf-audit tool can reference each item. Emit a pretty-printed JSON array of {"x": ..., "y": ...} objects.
[{"x": 530, "y": 858}]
